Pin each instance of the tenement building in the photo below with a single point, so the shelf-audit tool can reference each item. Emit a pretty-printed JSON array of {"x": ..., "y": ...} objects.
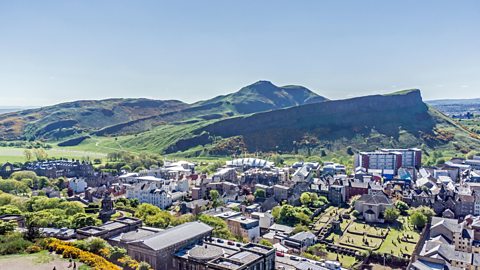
[
  {"x": 450, "y": 244},
  {"x": 220, "y": 254}
]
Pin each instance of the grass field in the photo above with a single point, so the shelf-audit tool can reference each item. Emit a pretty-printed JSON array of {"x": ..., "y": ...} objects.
[
  {"x": 12, "y": 154},
  {"x": 38, "y": 261}
]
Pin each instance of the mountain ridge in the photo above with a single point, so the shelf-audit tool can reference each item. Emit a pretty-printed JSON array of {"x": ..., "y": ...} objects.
[{"x": 117, "y": 116}]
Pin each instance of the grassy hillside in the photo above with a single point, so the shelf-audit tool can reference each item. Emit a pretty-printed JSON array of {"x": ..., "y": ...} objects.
[
  {"x": 265, "y": 96},
  {"x": 258, "y": 97},
  {"x": 69, "y": 119},
  {"x": 69, "y": 122},
  {"x": 366, "y": 123}
]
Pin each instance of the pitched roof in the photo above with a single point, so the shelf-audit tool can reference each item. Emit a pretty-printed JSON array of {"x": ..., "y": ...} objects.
[
  {"x": 175, "y": 235},
  {"x": 375, "y": 199},
  {"x": 302, "y": 236}
]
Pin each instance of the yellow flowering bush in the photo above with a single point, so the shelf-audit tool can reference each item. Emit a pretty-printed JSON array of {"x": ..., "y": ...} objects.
[{"x": 69, "y": 251}]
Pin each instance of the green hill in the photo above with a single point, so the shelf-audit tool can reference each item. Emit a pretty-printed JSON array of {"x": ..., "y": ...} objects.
[
  {"x": 130, "y": 116},
  {"x": 258, "y": 97},
  {"x": 400, "y": 119},
  {"x": 67, "y": 119},
  {"x": 265, "y": 96}
]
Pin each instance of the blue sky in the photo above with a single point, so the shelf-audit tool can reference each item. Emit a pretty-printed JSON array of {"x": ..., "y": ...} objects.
[{"x": 54, "y": 51}]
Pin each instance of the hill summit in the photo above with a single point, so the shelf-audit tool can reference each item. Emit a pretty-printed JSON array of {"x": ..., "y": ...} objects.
[
  {"x": 131, "y": 116},
  {"x": 265, "y": 96}
]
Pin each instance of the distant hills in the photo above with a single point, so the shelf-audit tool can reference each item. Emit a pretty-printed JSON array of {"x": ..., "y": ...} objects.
[
  {"x": 68, "y": 119},
  {"x": 130, "y": 116},
  {"x": 259, "y": 117}
]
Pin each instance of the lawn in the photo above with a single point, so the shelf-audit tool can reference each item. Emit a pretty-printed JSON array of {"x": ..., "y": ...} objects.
[
  {"x": 12, "y": 154},
  {"x": 357, "y": 241},
  {"x": 391, "y": 245},
  {"x": 38, "y": 261},
  {"x": 346, "y": 261},
  {"x": 377, "y": 230},
  {"x": 325, "y": 217}
]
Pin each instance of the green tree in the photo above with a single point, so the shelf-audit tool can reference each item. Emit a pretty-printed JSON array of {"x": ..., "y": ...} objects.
[
  {"x": 391, "y": 214},
  {"x": 314, "y": 197},
  {"x": 214, "y": 197},
  {"x": 265, "y": 242},
  {"x": 402, "y": 207},
  {"x": 300, "y": 228},
  {"x": 134, "y": 203},
  {"x": 425, "y": 210},
  {"x": 144, "y": 210},
  {"x": 28, "y": 155},
  {"x": 418, "y": 220},
  {"x": 276, "y": 212},
  {"x": 14, "y": 186},
  {"x": 259, "y": 193},
  {"x": 40, "y": 154},
  {"x": 9, "y": 210},
  {"x": 117, "y": 253},
  {"x": 305, "y": 198},
  {"x": 24, "y": 174},
  {"x": 13, "y": 243},
  {"x": 95, "y": 244},
  {"x": 7, "y": 226},
  {"x": 219, "y": 225},
  {"x": 81, "y": 220}
]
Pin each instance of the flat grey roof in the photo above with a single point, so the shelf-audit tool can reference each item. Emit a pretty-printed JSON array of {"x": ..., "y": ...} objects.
[{"x": 176, "y": 234}]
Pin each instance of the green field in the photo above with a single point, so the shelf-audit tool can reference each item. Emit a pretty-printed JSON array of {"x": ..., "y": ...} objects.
[{"x": 11, "y": 154}]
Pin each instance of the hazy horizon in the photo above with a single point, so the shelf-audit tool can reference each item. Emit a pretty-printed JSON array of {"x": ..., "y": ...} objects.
[{"x": 59, "y": 51}]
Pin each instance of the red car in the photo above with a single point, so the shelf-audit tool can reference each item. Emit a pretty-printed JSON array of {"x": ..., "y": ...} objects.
[{"x": 280, "y": 254}]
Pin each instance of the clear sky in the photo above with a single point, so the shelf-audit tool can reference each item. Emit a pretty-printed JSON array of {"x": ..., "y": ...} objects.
[{"x": 54, "y": 51}]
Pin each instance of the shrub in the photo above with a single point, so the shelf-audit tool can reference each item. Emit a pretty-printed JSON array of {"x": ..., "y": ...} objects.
[
  {"x": 33, "y": 249},
  {"x": 69, "y": 251},
  {"x": 13, "y": 243}
]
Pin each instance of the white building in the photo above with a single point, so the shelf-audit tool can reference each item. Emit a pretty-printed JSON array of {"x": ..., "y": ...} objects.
[
  {"x": 152, "y": 194},
  {"x": 78, "y": 185},
  {"x": 265, "y": 219}
]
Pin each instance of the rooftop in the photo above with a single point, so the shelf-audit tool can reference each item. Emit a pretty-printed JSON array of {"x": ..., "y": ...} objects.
[{"x": 175, "y": 235}]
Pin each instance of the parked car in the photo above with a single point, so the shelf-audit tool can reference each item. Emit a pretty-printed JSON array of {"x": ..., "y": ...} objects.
[
  {"x": 294, "y": 258},
  {"x": 220, "y": 241}
]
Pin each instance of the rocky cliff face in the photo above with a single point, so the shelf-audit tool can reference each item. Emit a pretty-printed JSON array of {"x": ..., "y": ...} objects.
[{"x": 330, "y": 120}]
